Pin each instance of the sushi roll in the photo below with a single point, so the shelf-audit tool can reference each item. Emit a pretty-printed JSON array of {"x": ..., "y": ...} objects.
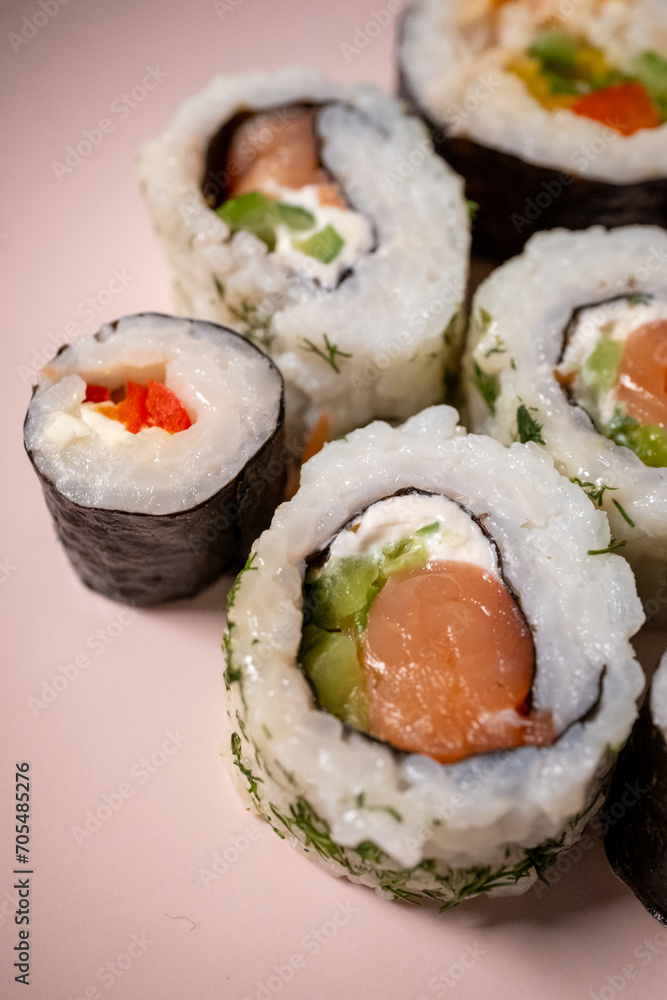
[
  {"x": 158, "y": 442},
  {"x": 315, "y": 219},
  {"x": 634, "y": 818},
  {"x": 568, "y": 348},
  {"x": 554, "y": 111},
  {"x": 428, "y": 674}
]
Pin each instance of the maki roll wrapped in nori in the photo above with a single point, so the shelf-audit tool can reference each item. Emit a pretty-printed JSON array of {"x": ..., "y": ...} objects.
[
  {"x": 158, "y": 442},
  {"x": 554, "y": 112},
  {"x": 428, "y": 676},
  {"x": 285, "y": 213},
  {"x": 568, "y": 348},
  {"x": 634, "y": 819}
]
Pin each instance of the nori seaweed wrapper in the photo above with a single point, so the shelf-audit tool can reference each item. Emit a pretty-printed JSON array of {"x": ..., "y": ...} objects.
[
  {"x": 634, "y": 818},
  {"x": 145, "y": 559},
  {"x": 517, "y": 199}
]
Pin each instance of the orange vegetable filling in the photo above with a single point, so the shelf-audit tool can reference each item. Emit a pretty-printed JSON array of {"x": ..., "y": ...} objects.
[
  {"x": 625, "y": 107},
  {"x": 151, "y": 405},
  {"x": 641, "y": 382},
  {"x": 260, "y": 155},
  {"x": 449, "y": 665},
  {"x": 320, "y": 435}
]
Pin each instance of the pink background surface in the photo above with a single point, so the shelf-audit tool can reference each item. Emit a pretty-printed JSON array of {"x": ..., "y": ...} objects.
[{"x": 209, "y": 902}]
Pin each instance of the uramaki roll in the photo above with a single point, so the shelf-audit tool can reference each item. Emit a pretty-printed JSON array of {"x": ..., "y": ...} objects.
[
  {"x": 428, "y": 674},
  {"x": 553, "y": 110},
  {"x": 282, "y": 206},
  {"x": 568, "y": 347},
  {"x": 158, "y": 442}
]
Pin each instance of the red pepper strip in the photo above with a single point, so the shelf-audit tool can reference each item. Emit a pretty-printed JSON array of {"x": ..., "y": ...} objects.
[
  {"x": 625, "y": 107},
  {"x": 165, "y": 409},
  {"x": 97, "y": 393},
  {"x": 131, "y": 411}
]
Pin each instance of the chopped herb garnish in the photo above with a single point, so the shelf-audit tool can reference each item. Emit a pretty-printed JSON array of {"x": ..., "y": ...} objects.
[
  {"x": 623, "y": 513},
  {"x": 473, "y": 209},
  {"x": 324, "y": 245},
  {"x": 394, "y": 813},
  {"x": 488, "y": 387},
  {"x": 485, "y": 320},
  {"x": 452, "y": 329},
  {"x": 498, "y": 348},
  {"x": 362, "y": 804},
  {"x": 369, "y": 851},
  {"x": 315, "y": 830},
  {"x": 613, "y": 546},
  {"x": 527, "y": 428},
  {"x": 231, "y": 596},
  {"x": 329, "y": 354},
  {"x": 593, "y": 491},
  {"x": 232, "y": 674},
  {"x": 252, "y": 780},
  {"x": 428, "y": 529},
  {"x": 257, "y": 325}
]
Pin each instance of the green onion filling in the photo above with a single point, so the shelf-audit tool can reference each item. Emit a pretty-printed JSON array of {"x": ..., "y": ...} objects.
[
  {"x": 560, "y": 65},
  {"x": 256, "y": 214}
]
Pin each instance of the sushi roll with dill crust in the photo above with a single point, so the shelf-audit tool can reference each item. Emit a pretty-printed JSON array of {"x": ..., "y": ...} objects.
[
  {"x": 158, "y": 442},
  {"x": 554, "y": 111},
  {"x": 634, "y": 818},
  {"x": 279, "y": 203},
  {"x": 567, "y": 347},
  {"x": 428, "y": 674}
]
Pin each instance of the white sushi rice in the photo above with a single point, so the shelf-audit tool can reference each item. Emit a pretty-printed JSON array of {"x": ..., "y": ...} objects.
[
  {"x": 520, "y": 314},
  {"x": 231, "y": 392},
  {"x": 659, "y": 696},
  {"x": 371, "y": 347},
  {"x": 432, "y": 826},
  {"x": 455, "y": 54}
]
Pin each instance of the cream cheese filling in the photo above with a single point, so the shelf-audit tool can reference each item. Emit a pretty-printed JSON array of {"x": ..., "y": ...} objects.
[{"x": 445, "y": 530}]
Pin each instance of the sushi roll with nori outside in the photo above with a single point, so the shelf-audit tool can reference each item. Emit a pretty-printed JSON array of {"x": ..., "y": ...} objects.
[
  {"x": 554, "y": 112},
  {"x": 428, "y": 673},
  {"x": 568, "y": 348},
  {"x": 278, "y": 201},
  {"x": 158, "y": 442},
  {"x": 634, "y": 817}
]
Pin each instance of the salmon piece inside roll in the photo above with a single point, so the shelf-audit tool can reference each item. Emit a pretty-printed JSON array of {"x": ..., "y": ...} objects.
[{"x": 413, "y": 636}]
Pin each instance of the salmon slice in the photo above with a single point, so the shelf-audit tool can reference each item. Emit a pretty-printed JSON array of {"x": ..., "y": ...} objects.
[
  {"x": 262, "y": 154},
  {"x": 449, "y": 664},
  {"x": 641, "y": 382}
]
